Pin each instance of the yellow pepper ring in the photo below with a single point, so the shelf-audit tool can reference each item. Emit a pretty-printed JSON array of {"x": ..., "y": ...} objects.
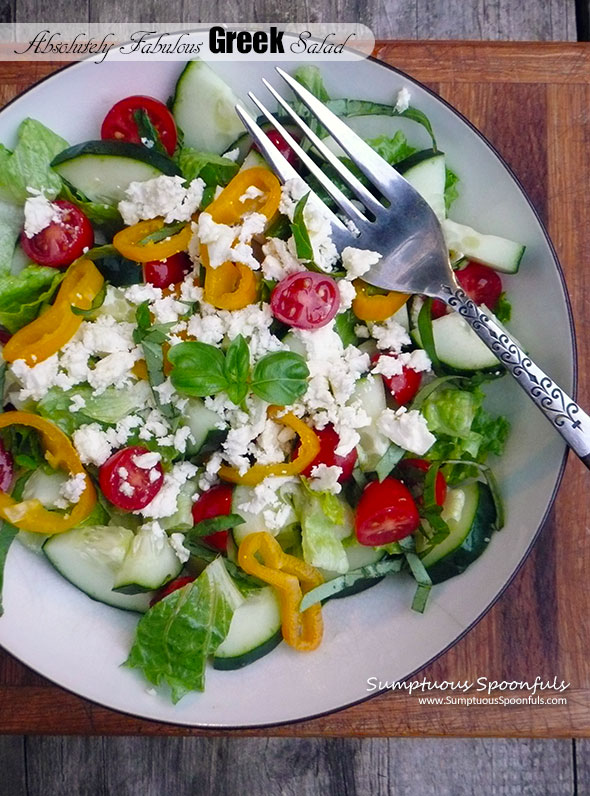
[
  {"x": 127, "y": 241},
  {"x": 30, "y": 515},
  {"x": 48, "y": 333},
  {"x": 308, "y": 450},
  {"x": 378, "y": 307},
  {"x": 292, "y": 578}
]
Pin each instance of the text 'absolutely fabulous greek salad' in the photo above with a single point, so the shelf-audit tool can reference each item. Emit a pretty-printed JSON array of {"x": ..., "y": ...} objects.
[{"x": 209, "y": 417}]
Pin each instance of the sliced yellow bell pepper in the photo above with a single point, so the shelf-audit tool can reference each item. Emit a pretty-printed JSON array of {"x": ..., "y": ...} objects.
[
  {"x": 48, "y": 333},
  {"x": 292, "y": 578},
  {"x": 127, "y": 241},
  {"x": 232, "y": 286},
  {"x": 308, "y": 450},
  {"x": 30, "y": 515},
  {"x": 378, "y": 307}
]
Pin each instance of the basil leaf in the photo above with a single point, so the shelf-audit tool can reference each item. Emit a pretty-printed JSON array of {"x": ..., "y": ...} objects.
[
  {"x": 280, "y": 378},
  {"x": 97, "y": 302},
  {"x": 148, "y": 135},
  {"x": 7, "y": 534},
  {"x": 98, "y": 252},
  {"x": 299, "y": 230},
  {"x": 388, "y": 461},
  {"x": 117, "y": 270},
  {"x": 344, "y": 326},
  {"x": 215, "y": 524},
  {"x": 279, "y": 227},
  {"x": 198, "y": 369},
  {"x": 237, "y": 361},
  {"x": 102, "y": 215},
  {"x": 351, "y": 107},
  {"x": 418, "y": 570},
  {"x": 213, "y": 169},
  {"x": 167, "y": 231},
  {"x": 143, "y": 319},
  {"x": 333, "y": 587},
  {"x": 175, "y": 638}
]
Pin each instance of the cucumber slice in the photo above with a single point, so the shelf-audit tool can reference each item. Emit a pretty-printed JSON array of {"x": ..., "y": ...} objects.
[
  {"x": 102, "y": 170},
  {"x": 45, "y": 487},
  {"x": 253, "y": 523},
  {"x": 89, "y": 557},
  {"x": 458, "y": 346},
  {"x": 255, "y": 630},
  {"x": 470, "y": 514},
  {"x": 425, "y": 171},
  {"x": 201, "y": 421},
  {"x": 204, "y": 108},
  {"x": 373, "y": 445},
  {"x": 150, "y": 562},
  {"x": 498, "y": 253},
  {"x": 358, "y": 556},
  {"x": 254, "y": 160}
]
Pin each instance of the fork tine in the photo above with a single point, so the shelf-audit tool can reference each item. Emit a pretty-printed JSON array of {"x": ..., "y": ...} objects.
[
  {"x": 365, "y": 196},
  {"x": 362, "y": 155},
  {"x": 343, "y": 202},
  {"x": 285, "y": 171}
]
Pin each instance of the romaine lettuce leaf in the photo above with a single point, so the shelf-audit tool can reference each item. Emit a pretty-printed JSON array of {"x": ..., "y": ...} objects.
[
  {"x": 11, "y": 223},
  {"x": 325, "y": 521},
  {"x": 451, "y": 191},
  {"x": 28, "y": 166},
  {"x": 451, "y": 411},
  {"x": 176, "y": 636},
  {"x": 213, "y": 169},
  {"x": 22, "y": 295},
  {"x": 393, "y": 150},
  {"x": 311, "y": 78}
]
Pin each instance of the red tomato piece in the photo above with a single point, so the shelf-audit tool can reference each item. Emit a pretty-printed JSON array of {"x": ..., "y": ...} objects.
[
  {"x": 215, "y": 502},
  {"x": 329, "y": 441},
  {"x": 386, "y": 513},
  {"x": 283, "y": 147},
  {"x": 127, "y": 483},
  {"x": 6, "y": 469},
  {"x": 481, "y": 283},
  {"x": 403, "y": 386},
  {"x": 306, "y": 300},
  {"x": 174, "y": 585},
  {"x": 120, "y": 123},
  {"x": 164, "y": 273},
  {"x": 423, "y": 465},
  {"x": 62, "y": 241}
]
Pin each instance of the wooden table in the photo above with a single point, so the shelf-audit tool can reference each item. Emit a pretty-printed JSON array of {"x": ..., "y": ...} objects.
[{"x": 540, "y": 625}]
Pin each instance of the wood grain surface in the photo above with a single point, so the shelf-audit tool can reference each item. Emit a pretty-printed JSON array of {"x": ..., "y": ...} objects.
[{"x": 540, "y": 625}]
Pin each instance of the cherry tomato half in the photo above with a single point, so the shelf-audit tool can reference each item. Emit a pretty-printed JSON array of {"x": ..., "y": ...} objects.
[
  {"x": 164, "y": 273},
  {"x": 215, "y": 502},
  {"x": 482, "y": 284},
  {"x": 6, "y": 469},
  {"x": 120, "y": 123},
  {"x": 126, "y": 483},
  {"x": 306, "y": 300},
  {"x": 403, "y": 386},
  {"x": 422, "y": 465},
  {"x": 385, "y": 513},
  {"x": 329, "y": 441},
  {"x": 283, "y": 147},
  {"x": 174, "y": 585},
  {"x": 62, "y": 241}
]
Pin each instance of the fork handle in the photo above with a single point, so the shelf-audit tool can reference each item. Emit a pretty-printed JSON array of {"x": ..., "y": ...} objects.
[{"x": 563, "y": 412}]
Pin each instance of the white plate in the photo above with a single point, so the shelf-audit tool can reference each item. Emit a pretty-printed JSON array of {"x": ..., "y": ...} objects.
[{"x": 80, "y": 644}]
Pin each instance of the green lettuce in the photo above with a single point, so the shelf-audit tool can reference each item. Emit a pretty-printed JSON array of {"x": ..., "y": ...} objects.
[
  {"x": 11, "y": 223},
  {"x": 22, "y": 295},
  {"x": 451, "y": 191},
  {"x": 175, "y": 638},
  {"x": 394, "y": 149},
  {"x": 212, "y": 169},
  {"x": 325, "y": 521},
  {"x": 311, "y": 78},
  {"x": 29, "y": 164},
  {"x": 451, "y": 411},
  {"x": 101, "y": 215}
]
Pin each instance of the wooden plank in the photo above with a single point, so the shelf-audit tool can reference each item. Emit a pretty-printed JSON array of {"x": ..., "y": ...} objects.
[
  {"x": 538, "y": 626},
  {"x": 582, "y": 765},
  {"x": 298, "y": 767},
  {"x": 12, "y": 766}
]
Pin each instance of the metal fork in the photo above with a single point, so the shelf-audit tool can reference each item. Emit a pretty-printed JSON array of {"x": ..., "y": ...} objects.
[{"x": 409, "y": 237}]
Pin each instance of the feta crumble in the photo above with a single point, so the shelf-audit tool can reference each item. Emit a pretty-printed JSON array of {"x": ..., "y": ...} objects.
[
  {"x": 408, "y": 429},
  {"x": 39, "y": 214},
  {"x": 402, "y": 102},
  {"x": 161, "y": 196},
  {"x": 357, "y": 262},
  {"x": 71, "y": 491},
  {"x": 165, "y": 502},
  {"x": 324, "y": 478},
  {"x": 177, "y": 544}
]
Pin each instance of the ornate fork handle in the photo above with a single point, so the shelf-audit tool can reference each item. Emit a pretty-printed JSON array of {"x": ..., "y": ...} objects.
[{"x": 564, "y": 413}]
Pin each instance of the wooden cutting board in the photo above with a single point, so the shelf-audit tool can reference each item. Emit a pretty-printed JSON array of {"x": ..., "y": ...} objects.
[{"x": 533, "y": 102}]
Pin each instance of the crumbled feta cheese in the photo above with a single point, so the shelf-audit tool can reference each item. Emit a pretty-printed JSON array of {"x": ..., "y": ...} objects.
[
  {"x": 92, "y": 444},
  {"x": 113, "y": 370},
  {"x": 357, "y": 262},
  {"x": 168, "y": 310},
  {"x": 155, "y": 425},
  {"x": 252, "y": 192},
  {"x": 402, "y": 102},
  {"x": 127, "y": 488},
  {"x": 39, "y": 214},
  {"x": 123, "y": 473},
  {"x": 209, "y": 477},
  {"x": 154, "y": 475},
  {"x": 161, "y": 196},
  {"x": 166, "y": 391},
  {"x": 219, "y": 239},
  {"x": 107, "y": 336},
  {"x": 393, "y": 365},
  {"x": 362, "y": 331},
  {"x": 181, "y": 437},
  {"x": 279, "y": 261},
  {"x": 177, "y": 544},
  {"x": 77, "y": 403},
  {"x": 71, "y": 491},
  {"x": 36, "y": 381},
  {"x": 206, "y": 328},
  {"x": 137, "y": 294},
  {"x": 347, "y": 294},
  {"x": 390, "y": 334},
  {"x": 324, "y": 478},
  {"x": 165, "y": 502},
  {"x": 189, "y": 291},
  {"x": 408, "y": 429},
  {"x": 145, "y": 461},
  {"x": 233, "y": 154},
  {"x": 317, "y": 222},
  {"x": 267, "y": 500}
]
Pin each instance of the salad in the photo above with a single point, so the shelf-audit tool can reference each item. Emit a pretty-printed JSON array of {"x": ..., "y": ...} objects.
[{"x": 209, "y": 418}]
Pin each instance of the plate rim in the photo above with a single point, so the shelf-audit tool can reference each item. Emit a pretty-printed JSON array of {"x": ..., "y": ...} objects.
[{"x": 237, "y": 729}]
